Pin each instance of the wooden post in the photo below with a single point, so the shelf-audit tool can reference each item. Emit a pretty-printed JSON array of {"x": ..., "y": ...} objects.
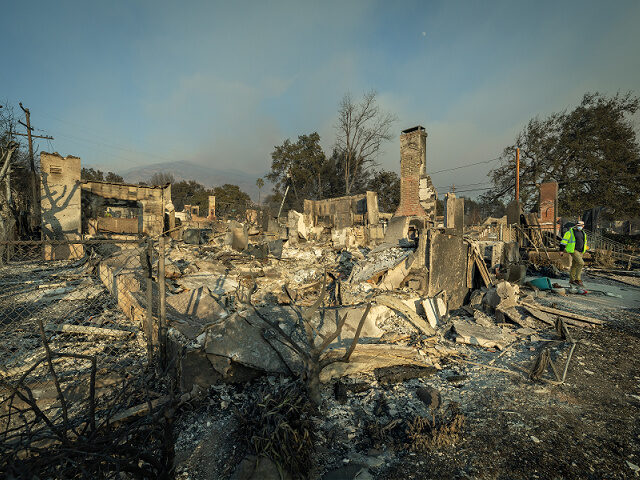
[
  {"x": 162, "y": 317},
  {"x": 517, "y": 174},
  {"x": 150, "y": 342}
]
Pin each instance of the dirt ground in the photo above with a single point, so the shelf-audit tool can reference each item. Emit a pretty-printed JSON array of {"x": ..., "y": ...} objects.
[{"x": 587, "y": 428}]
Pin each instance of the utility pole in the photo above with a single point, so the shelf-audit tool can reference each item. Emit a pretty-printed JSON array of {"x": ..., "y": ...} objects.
[
  {"x": 517, "y": 174},
  {"x": 34, "y": 176}
]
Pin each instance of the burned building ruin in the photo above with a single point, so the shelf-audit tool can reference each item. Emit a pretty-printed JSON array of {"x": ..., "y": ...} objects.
[{"x": 72, "y": 207}]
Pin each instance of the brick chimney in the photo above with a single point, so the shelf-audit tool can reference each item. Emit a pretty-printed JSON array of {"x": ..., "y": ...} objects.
[{"x": 417, "y": 194}]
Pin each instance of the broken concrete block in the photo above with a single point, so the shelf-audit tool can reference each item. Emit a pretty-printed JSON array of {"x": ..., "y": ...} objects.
[
  {"x": 442, "y": 307},
  {"x": 396, "y": 275},
  {"x": 503, "y": 295},
  {"x": 482, "y": 336},
  {"x": 483, "y": 319},
  {"x": 340, "y": 237},
  {"x": 190, "y": 311},
  {"x": 297, "y": 225},
  {"x": 198, "y": 303},
  {"x": 516, "y": 273},
  {"x": 413, "y": 318},
  {"x": 327, "y": 322},
  {"x": 239, "y": 235},
  {"x": 240, "y": 338},
  {"x": 397, "y": 230},
  {"x": 194, "y": 369},
  {"x": 193, "y": 236},
  {"x": 431, "y": 311}
]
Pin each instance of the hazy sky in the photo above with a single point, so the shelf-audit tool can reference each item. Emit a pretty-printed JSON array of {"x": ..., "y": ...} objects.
[{"x": 126, "y": 83}]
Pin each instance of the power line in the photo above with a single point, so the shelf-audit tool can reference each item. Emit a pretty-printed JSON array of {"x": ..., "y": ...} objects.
[
  {"x": 565, "y": 182},
  {"x": 107, "y": 145},
  {"x": 463, "y": 185},
  {"x": 465, "y": 166},
  {"x": 103, "y": 143}
]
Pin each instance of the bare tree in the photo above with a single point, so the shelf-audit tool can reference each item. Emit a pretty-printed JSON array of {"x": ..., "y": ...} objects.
[
  {"x": 362, "y": 128},
  {"x": 7, "y": 149},
  {"x": 161, "y": 178},
  {"x": 312, "y": 347}
]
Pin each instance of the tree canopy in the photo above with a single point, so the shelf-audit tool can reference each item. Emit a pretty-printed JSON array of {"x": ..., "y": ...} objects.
[
  {"x": 99, "y": 176},
  {"x": 190, "y": 192},
  {"x": 591, "y": 151},
  {"x": 311, "y": 174},
  {"x": 231, "y": 201},
  {"x": 303, "y": 167},
  {"x": 387, "y": 184}
]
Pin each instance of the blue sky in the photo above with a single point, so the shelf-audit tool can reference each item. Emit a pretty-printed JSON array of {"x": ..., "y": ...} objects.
[{"x": 126, "y": 83}]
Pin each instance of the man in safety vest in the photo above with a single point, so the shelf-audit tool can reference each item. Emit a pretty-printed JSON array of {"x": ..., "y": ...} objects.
[{"x": 574, "y": 243}]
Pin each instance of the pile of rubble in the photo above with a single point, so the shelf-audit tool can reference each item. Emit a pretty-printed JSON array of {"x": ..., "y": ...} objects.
[{"x": 237, "y": 321}]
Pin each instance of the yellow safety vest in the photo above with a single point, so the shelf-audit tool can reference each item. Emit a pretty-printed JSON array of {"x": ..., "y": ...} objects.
[{"x": 569, "y": 241}]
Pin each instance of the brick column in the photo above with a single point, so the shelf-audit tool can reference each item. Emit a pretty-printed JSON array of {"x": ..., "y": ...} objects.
[{"x": 417, "y": 194}]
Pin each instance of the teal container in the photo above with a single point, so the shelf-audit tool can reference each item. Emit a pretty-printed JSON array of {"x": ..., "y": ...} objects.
[{"x": 542, "y": 283}]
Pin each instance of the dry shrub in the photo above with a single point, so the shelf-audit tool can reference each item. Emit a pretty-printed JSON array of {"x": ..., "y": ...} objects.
[
  {"x": 442, "y": 429},
  {"x": 391, "y": 435},
  {"x": 277, "y": 424}
]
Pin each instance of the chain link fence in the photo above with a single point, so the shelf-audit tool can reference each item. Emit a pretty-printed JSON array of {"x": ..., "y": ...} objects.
[{"x": 80, "y": 348}]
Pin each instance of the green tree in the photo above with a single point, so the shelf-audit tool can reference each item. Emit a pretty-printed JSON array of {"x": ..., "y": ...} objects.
[
  {"x": 302, "y": 167},
  {"x": 592, "y": 151},
  {"x": 190, "y": 192},
  {"x": 387, "y": 184},
  {"x": 231, "y": 201},
  {"x": 92, "y": 175},
  {"x": 113, "y": 177}
]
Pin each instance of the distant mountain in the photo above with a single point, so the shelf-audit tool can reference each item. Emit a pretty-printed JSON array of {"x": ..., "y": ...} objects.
[{"x": 208, "y": 176}]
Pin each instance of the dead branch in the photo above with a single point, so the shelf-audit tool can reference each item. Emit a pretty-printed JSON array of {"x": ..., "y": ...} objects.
[
  {"x": 313, "y": 357},
  {"x": 63, "y": 403},
  {"x": 345, "y": 358}
]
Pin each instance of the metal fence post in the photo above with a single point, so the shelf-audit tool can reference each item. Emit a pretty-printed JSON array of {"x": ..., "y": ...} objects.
[
  {"x": 150, "y": 335},
  {"x": 162, "y": 320}
]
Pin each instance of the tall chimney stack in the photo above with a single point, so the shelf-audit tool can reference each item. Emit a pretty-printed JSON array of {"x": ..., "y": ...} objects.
[{"x": 417, "y": 193}]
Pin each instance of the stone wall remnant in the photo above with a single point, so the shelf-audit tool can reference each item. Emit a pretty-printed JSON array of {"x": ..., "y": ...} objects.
[
  {"x": 454, "y": 212},
  {"x": 154, "y": 200},
  {"x": 61, "y": 205},
  {"x": 67, "y": 200},
  {"x": 60, "y": 196},
  {"x": 343, "y": 212}
]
